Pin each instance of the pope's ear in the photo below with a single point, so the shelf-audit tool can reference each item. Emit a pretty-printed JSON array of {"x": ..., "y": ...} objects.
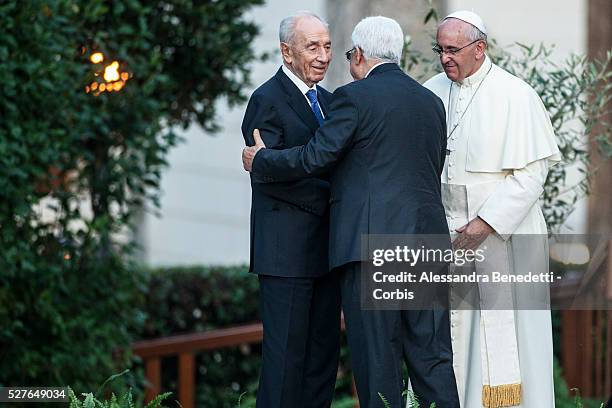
[{"x": 481, "y": 46}]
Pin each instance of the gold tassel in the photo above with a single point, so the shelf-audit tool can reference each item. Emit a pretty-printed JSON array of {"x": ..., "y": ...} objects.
[{"x": 506, "y": 395}]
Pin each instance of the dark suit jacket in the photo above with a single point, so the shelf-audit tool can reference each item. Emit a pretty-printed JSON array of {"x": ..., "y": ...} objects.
[
  {"x": 289, "y": 219},
  {"x": 385, "y": 145}
]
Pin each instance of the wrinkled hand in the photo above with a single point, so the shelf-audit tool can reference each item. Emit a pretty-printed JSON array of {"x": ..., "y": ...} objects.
[
  {"x": 472, "y": 234},
  {"x": 249, "y": 152}
]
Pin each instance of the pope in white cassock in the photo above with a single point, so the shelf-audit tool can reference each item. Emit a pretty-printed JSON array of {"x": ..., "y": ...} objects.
[{"x": 500, "y": 146}]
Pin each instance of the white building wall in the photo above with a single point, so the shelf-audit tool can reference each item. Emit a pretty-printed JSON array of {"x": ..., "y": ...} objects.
[{"x": 206, "y": 194}]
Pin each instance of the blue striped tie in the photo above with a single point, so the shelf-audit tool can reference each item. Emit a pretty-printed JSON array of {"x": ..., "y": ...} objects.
[{"x": 314, "y": 105}]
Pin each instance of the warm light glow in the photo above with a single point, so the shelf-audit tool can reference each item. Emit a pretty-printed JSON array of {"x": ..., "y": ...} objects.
[
  {"x": 570, "y": 253},
  {"x": 111, "y": 72},
  {"x": 97, "y": 57},
  {"x": 114, "y": 80}
]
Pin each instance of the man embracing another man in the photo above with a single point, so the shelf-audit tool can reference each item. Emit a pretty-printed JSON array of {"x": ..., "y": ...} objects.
[
  {"x": 299, "y": 297},
  {"x": 382, "y": 145}
]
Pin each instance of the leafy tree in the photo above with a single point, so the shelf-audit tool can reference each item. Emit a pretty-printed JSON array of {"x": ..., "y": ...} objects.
[{"x": 82, "y": 146}]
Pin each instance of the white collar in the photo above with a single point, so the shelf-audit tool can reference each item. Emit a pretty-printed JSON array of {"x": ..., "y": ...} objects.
[
  {"x": 478, "y": 75},
  {"x": 380, "y": 63},
  {"x": 297, "y": 81}
]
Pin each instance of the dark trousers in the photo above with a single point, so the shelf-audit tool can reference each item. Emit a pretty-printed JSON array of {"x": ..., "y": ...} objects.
[
  {"x": 380, "y": 341},
  {"x": 301, "y": 341}
]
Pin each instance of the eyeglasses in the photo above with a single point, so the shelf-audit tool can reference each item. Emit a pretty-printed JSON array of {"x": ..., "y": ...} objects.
[
  {"x": 439, "y": 50},
  {"x": 349, "y": 53}
]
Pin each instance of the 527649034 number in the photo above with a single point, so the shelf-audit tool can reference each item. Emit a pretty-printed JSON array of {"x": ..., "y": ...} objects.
[{"x": 33, "y": 394}]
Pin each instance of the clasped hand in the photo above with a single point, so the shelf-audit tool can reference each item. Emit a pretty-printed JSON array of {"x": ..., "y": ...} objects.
[{"x": 472, "y": 234}]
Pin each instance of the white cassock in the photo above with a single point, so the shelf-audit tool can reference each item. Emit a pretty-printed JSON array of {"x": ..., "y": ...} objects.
[{"x": 500, "y": 151}]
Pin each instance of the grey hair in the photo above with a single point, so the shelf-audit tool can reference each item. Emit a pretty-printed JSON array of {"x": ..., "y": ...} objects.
[
  {"x": 379, "y": 38},
  {"x": 472, "y": 33},
  {"x": 286, "y": 31}
]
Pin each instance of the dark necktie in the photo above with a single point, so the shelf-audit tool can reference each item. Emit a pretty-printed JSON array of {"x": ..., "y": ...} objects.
[{"x": 314, "y": 105}]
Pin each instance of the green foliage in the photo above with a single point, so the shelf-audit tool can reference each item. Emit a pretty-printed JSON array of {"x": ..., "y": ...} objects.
[
  {"x": 124, "y": 401},
  {"x": 413, "y": 401},
  {"x": 344, "y": 402},
  {"x": 412, "y": 398},
  {"x": 576, "y": 94},
  {"x": 194, "y": 299},
  {"x": 384, "y": 400},
  {"x": 239, "y": 403},
  {"x": 578, "y": 402},
  {"x": 562, "y": 393},
  {"x": 76, "y": 167},
  {"x": 432, "y": 13}
]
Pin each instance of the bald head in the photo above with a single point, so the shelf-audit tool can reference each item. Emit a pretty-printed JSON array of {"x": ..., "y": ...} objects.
[{"x": 463, "y": 48}]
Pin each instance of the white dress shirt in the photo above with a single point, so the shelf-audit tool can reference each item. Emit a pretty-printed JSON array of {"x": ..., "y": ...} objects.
[{"x": 302, "y": 86}]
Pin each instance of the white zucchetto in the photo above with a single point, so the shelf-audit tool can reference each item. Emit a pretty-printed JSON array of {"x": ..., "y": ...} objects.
[{"x": 469, "y": 17}]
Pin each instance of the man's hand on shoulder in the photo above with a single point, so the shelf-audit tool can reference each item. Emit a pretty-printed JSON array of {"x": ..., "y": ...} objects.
[{"x": 249, "y": 152}]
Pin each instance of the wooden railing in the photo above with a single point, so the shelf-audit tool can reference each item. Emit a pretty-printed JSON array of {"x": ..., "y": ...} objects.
[{"x": 185, "y": 346}]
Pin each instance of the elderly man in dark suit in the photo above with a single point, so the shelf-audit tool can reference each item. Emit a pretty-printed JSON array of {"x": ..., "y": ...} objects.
[
  {"x": 300, "y": 298},
  {"x": 384, "y": 147}
]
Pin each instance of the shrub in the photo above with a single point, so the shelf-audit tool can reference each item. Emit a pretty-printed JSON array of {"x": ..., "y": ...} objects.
[{"x": 77, "y": 161}]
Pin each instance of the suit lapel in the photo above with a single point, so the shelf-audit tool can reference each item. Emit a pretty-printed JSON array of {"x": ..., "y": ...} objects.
[{"x": 297, "y": 101}]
